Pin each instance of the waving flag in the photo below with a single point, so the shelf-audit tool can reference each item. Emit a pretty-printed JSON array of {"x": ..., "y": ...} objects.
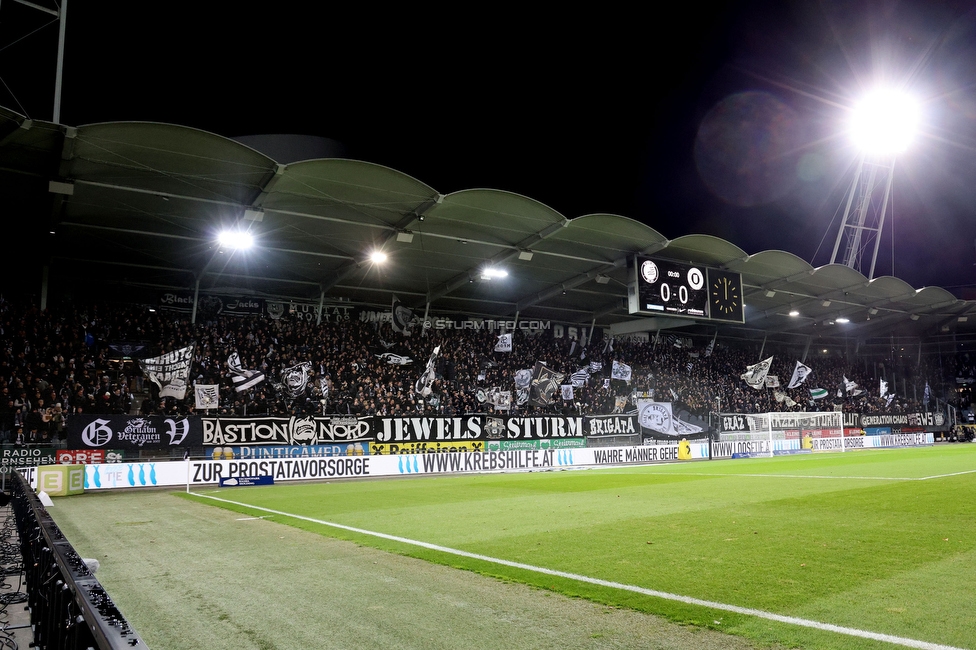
[
  {"x": 800, "y": 374},
  {"x": 170, "y": 372},
  {"x": 579, "y": 378},
  {"x": 755, "y": 375},
  {"x": 243, "y": 379},
  {"x": 422, "y": 386},
  {"x": 206, "y": 396},
  {"x": 401, "y": 316},
  {"x": 545, "y": 381},
  {"x": 621, "y": 371},
  {"x": 295, "y": 379}
]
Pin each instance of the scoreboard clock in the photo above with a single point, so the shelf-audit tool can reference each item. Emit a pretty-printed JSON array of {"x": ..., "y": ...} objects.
[
  {"x": 725, "y": 296},
  {"x": 668, "y": 288}
]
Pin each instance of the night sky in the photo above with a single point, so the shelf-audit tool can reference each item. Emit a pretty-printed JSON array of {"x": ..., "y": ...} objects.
[{"x": 725, "y": 119}]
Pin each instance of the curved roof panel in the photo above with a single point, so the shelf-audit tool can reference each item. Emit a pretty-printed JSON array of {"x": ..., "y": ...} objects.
[{"x": 139, "y": 204}]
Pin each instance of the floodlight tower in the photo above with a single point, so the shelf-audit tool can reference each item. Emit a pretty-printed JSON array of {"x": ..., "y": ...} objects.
[{"x": 882, "y": 126}]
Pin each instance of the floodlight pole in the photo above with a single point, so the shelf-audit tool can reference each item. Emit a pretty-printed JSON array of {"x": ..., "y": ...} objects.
[
  {"x": 863, "y": 217},
  {"x": 60, "y": 73}
]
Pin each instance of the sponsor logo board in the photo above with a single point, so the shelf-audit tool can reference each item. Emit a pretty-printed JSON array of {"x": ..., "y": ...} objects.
[
  {"x": 295, "y": 451},
  {"x": 15, "y": 457},
  {"x": 433, "y": 447},
  {"x": 545, "y": 443}
]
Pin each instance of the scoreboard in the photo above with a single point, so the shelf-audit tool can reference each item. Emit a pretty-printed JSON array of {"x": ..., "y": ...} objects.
[{"x": 669, "y": 288}]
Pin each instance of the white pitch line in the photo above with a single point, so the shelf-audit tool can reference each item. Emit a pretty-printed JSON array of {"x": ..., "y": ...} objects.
[
  {"x": 827, "y": 476},
  {"x": 968, "y": 471},
  {"x": 853, "y": 478},
  {"x": 748, "y": 611}
]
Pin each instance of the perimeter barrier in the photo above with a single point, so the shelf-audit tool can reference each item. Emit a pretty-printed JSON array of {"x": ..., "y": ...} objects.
[{"x": 69, "y": 609}]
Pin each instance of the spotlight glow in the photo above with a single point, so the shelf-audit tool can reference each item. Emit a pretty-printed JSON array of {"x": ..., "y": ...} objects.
[
  {"x": 885, "y": 122},
  {"x": 491, "y": 273},
  {"x": 235, "y": 239},
  {"x": 794, "y": 312},
  {"x": 377, "y": 257}
]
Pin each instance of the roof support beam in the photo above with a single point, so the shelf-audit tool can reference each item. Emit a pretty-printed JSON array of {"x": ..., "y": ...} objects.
[{"x": 584, "y": 277}]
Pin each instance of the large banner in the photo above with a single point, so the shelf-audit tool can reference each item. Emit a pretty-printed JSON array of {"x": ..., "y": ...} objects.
[
  {"x": 658, "y": 420},
  {"x": 127, "y": 432},
  {"x": 540, "y": 427},
  {"x": 757, "y": 423},
  {"x": 285, "y": 431},
  {"x": 598, "y": 426},
  {"x": 210, "y": 306}
]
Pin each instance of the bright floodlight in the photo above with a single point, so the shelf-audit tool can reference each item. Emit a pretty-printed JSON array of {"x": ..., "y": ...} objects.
[
  {"x": 235, "y": 239},
  {"x": 885, "y": 121},
  {"x": 491, "y": 273},
  {"x": 377, "y": 257}
]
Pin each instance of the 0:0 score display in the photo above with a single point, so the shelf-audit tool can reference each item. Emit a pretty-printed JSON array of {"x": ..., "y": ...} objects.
[{"x": 669, "y": 288}]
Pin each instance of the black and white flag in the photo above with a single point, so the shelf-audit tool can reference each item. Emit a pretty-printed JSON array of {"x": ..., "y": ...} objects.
[
  {"x": 545, "y": 381},
  {"x": 401, "y": 316},
  {"x": 755, "y": 375},
  {"x": 294, "y": 380},
  {"x": 170, "y": 372},
  {"x": 579, "y": 378},
  {"x": 423, "y": 383},
  {"x": 711, "y": 345},
  {"x": 504, "y": 343},
  {"x": 206, "y": 396},
  {"x": 394, "y": 359},
  {"x": 567, "y": 392},
  {"x": 243, "y": 379},
  {"x": 800, "y": 374},
  {"x": 621, "y": 371},
  {"x": 500, "y": 399}
]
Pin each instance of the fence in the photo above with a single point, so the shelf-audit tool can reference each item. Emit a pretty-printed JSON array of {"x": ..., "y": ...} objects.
[{"x": 69, "y": 609}]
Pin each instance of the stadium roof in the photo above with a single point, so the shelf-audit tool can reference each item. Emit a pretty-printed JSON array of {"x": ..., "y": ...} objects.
[{"x": 137, "y": 207}]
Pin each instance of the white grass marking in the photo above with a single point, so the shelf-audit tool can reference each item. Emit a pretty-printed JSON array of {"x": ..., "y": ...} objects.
[
  {"x": 823, "y": 476},
  {"x": 748, "y": 611},
  {"x": 252, "y": 518},
  {"x": 968, "y": 471},
  {"x": 853, "y": 478}
]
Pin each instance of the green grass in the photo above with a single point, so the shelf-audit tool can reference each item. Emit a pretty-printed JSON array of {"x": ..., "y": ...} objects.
[{"x": 838, "y": 538}]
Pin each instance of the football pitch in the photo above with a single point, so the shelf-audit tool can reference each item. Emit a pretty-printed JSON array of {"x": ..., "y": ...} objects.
[{"x": 871, "y": 549}]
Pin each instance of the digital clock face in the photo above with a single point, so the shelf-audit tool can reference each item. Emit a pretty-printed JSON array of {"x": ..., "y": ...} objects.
[{"x": 671, "y": 288}]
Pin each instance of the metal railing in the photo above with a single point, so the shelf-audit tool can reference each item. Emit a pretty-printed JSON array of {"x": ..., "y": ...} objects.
[{"x": 69, "y": 609}]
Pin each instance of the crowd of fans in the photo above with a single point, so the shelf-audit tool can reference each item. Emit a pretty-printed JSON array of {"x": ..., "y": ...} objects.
[{"x": 65, "y": 361}]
